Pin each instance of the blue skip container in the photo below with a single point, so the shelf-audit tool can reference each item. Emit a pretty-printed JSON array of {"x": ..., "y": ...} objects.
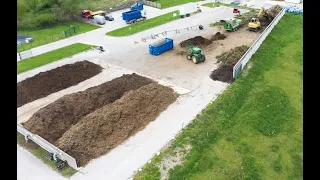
[{"x": 161, "y": 46}]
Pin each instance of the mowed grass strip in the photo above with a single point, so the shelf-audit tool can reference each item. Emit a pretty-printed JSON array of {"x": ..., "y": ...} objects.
[
  {"x": 40, "y": 153},
  {"x": 253, "y": 130},
  {"x": 52, "y": 34},
  {"x": 49, "y": 57},
  {"x": 144, "y": 25},
  {"x": 217, "y": 4},
  {"x": 170, "y": 3}
]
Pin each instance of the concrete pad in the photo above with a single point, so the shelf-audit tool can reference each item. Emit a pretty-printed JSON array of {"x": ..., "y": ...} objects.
[{"x": 109, "y": 72}]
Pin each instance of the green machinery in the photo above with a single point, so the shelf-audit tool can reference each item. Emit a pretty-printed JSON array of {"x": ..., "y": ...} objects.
[
  {"x": 231, "y": 24},
  {"x": 195, "y": 54}
]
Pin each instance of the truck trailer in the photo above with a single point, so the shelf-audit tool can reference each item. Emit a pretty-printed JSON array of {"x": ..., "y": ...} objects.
[{"x": 134, "y": 16}]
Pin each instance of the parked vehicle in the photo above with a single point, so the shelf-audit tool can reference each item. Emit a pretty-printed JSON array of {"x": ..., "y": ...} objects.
[
  {"x": 87, "y": 14},
  {"x": 137, "y": 6},
  {"x": 187, "y": 9},
  {"x": 161, "y": 46},
  {"x": 109, "y": 17},
  {"x": 134, "y": 16},
  {"x": 99, "y": 19}
]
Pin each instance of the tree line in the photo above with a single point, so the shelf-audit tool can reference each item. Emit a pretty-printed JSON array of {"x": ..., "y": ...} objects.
[{"x": 43, "y": 13}]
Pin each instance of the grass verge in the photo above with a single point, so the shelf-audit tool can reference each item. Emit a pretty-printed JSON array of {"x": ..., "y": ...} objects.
[
  {"x": 40, "y": 153},
  {"x": 144, "y": 25},
  {"x": 254, "y": 129},
  {"x": 217, "y": 4},
  {"x": 170, "y": 3},
  {"x": 49, "y": 35},
  {"x": 49, "y": 57}
]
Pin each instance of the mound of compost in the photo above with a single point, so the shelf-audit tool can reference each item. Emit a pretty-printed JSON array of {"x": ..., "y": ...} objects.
[
  {"x": 45, "y": 83},
  {"x": 104, "y": 129},
  {"x": 52, "y": 121},
  {"x": 196, "y": 41}
]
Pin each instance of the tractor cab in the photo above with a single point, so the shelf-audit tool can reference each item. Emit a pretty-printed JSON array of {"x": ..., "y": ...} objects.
[
  {"x": 195, "y": 54},
  {"x": 196, "y": 50}
]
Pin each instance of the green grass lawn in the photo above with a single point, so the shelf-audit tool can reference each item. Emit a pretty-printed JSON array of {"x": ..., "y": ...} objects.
[
  {"x": 49, "y": 57},
  {"x": 212, "y": 5},
  {"x": 48, "y": 35},
  {"x": 253, "y": 130},
  {"x": 144, "y": 25},
  {"x": 40, "y": 153},
  {"x": 170, "y": 3}
]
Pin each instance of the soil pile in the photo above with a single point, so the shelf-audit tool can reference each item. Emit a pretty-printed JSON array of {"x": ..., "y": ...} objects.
[
  {"x": 224, "y": 72},
  {"x": 45, "y": 83},
  {"x": 269, "y": 14},
  {"x": 53, "y": 120},
  {"x": 233, "y": 55},
  {"x": 218, "y": 36},
  {"x": 196, "y": 41},
  {"x": 104, "y": 129}
]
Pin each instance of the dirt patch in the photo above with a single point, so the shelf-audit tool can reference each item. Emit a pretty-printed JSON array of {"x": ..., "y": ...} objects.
[
  {"x": 45, "y": 83},
  {"x": 224, "y": 73},
  {"x": 56, "y": 118},
  {"x": 104, "y": 129},
  {"x": 170, "y": 161},
  {"x": 229, "y": 58},
  {"x": 218, "y": 36},
  {"x": 233, "y": 55},
  {"x": 196, "y": 41}
]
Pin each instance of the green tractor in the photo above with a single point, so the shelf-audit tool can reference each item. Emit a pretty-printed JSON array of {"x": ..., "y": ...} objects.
[{"x": 196, "y": 55}]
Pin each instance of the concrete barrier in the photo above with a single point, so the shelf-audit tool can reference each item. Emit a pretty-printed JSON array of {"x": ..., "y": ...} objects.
[
  {"x": 47, "y": 146},
  {"x": 255, "y": 46}
]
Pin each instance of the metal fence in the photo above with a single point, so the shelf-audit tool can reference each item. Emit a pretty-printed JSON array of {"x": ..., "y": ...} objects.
[
  {"x": 48, "y": 39},
  {"x": 47, "y": 146},
  {"x": 152, "y": 4},
  {"x": 237, "y": 68}
]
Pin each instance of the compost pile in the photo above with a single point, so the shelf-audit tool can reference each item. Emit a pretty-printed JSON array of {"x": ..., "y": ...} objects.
[
  {"x": 218, "y": 36},
  {"x": 56, "y": 118},
  {"x": 269, "y": 14},
  {"x": 107, "y": 127},
  {"x": 45, "y": 83},
  {"x": 224, "y": 72},
  {"x": 196, "y": 41}
]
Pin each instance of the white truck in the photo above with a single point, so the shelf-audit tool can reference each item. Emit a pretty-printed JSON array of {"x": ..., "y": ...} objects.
[{"x": 187, "y": 9}]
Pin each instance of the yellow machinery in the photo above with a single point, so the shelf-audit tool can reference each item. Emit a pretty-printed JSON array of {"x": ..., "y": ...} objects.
[{"x": 254, "y": 23}]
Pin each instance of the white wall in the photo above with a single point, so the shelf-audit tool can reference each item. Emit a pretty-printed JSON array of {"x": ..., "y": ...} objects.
[{"x": 255, "y": 46}]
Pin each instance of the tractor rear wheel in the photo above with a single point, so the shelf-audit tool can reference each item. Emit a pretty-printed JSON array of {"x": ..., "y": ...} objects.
[
  {"x": 189, "y": 56},
  {"x": 195, "y": 59},
  {"x": 203, "y": 58}
]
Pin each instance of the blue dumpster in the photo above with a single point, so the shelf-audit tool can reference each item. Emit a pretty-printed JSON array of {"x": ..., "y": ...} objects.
[
  {"x": 137, "y": 6},
  {"x": 161, "y": 46}
]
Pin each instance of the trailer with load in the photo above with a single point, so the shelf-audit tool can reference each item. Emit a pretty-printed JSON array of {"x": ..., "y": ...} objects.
[
  {"x": 161, "y": 46},
  {"x": 134, "y": 16},
  {"x": 231, "y": 24},
  {"x": 137, "y": 6}
]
